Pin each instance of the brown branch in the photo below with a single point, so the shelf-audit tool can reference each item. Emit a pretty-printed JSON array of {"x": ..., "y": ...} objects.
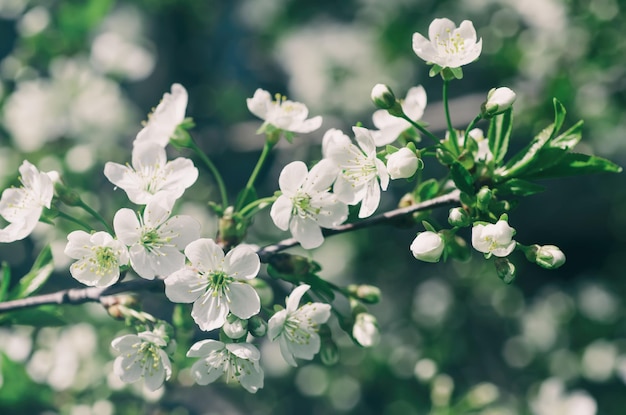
[{"x": 94, "y": 294}]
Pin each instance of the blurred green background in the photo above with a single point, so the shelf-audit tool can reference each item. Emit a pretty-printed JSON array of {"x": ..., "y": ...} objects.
[{"x": 78, "y": 77}]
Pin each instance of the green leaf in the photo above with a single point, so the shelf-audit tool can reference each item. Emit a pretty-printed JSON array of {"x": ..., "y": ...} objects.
[
  {"x": 36, "y": 277},
  {"x": 43, "y": 316},
  {"x": 521, "y": 160},
  {"x": 462, "y": 178},
  {"x": 499, "y": 134},
  {"x": 320, "y": 287},
  {"x": 518, "y": 187},
  {"x": 572, "y": 164},
  {"x": 569, "y": 138},
  {"x": 559, "y": 116},
  {"x": 427, "y": 190},
  {"x": 5, "y": 274}
]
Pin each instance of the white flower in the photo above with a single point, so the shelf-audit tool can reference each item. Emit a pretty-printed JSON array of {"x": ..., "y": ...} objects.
[
  {"x": 165, "y": 118},
  {"x": 214, "y": 283},
  {"x": 448, "y": 45},
  {"x": 402, "y": 164},
  {"x": 550, "y": 257},
  {"x": 22, "y": 207},
  {"x": 151, "y": 174},
  {"x": 365, "y": 330},
  {"x": 296, "y": 328},
  {"x": 494, "y": 239},
  {"x": 427, "y": 246},
  {"x": 498, "y": 101},
  {"x": 306, "y": 203},
  {"x": 142, "y": 355},
  {"x": 389, "y": 126},
  {"x": 283, "y": 114},
  {"x": 155, "y": 240},
  {"x": 360, "y": 170},
  {"x": 99, "y": 257},
  {"x": 238, "y": 361},
  {"x": 553, "y": 400}
]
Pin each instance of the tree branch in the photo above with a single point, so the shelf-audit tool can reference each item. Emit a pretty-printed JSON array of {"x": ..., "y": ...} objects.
[{"x": 94, "y": 294}]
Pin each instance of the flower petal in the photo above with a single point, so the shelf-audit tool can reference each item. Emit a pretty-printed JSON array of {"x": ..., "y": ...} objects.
[
  {"x": 205, "y": 255},
  {"x": 307, "y": 232},
  {"x": 244, "y": 300},
  {"x": 185, "y": 286},
  {"x": 293, "y": 300},
  {"x": 242, "y": 263},
  {"x": 281, "y": 212},
  {"x": 292, "y": 176},
  {"x": 210, "y": 311}
]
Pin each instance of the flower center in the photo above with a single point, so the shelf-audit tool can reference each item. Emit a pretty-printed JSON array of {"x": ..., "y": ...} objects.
[
  {"x": 103, "y": 261},
  {"x": 451, "y": 44},
  {"x": 149, "y": 358},
  {"x": 302, "y": 206},
  {"x": 297, "y": 331}
]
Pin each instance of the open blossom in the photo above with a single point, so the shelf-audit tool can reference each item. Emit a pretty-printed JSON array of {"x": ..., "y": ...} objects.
[
  {"x": 151, "y": 174},
  {"x": 494, "y": 239},
  {"x": 296, "y": 328},
  {"x": 214, "y": 283},
  {"x": 99, "y": 257},
  {"x": 165, "y": 118},
  {"x": 22, "y": 207},
  {"x": 142, "y": 356},
  {"x": 156, "y": 239},
  {"x": 448, "y": 46},
  {"x": 389, "y": 126},
  {"x": 282, "y": 114},
  {"x": 306, "y": 203},
  {"x": 361, "y": 173},
  {"x": 238, "y": 361}
]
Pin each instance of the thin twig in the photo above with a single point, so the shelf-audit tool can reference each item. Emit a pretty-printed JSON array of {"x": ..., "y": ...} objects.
[{"x": 94, "y": 294}]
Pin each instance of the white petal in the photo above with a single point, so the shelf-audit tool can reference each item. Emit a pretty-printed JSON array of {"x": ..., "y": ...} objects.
[
  {"x": 307, "y": 232},
  {"x": 317, "y": 313},
  {"x": 209, "y": 311},
  {"x": 148, "y": 154},
  {"x": 292, "y": 176},
  {"x": 276, "y": 324},
  {"x": 140, "y": 262},
  {"x": 127, "y": 227},
  {"x": 185, "y": 286},
  {"x": 333, "y": 138},
  {"x": 78, "y": 244},
  {"x": 294, "y": 298},
  {"x": 251, "y": 378},
  {"x": 321, "y": 176},
  {"x": 364, "y": 139},
  {"x": 308, "y": 126},
  {"x": 205, "y": 255},
  {"x": 244, "y": 300},
  {"x": 242, "y": 263},
  {"x": 259, "y": 103},
  {"x": 154, "y": 377},
  {"x": 158, "y": 210},
  {"x": 285, "y": 350},
  {"x": 245, "y": 351},
  {"x": 180, "y": 230},
  {"x": 167, "y": 261},
  {"x": 306, "y": 350},
  {"x": 370, "y": 202},
  {"x": 123, "y": 343},
  {"x": 204, "y": 348},
  {"x": 281, "y": 212},
  {"x": 204, "y": 373}
]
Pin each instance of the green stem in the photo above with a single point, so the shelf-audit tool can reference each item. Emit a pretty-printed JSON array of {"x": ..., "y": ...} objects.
[
  {"x": 96, "y": 215},
  {"x": 420, "y": 128},
  {"x": 266, "y": 150},
  {"x": 79, "y": 222},
  {"x": 453, "y": 138},
  {"x": 250, "y": 207},
  {"x": 470, "y": 127},
  {"x": 216, "y": 174}
]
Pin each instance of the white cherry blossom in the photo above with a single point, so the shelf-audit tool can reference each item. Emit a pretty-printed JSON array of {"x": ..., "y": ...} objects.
[
  {"x": 151, "y": 174},
  {"x": 361, "y": 173},
  {"x": 165, "y": 118},
  {"x": 494, "y": 239},
  {"x": 448, "y": 46},
  {"x": 389, "y": 126},
  {"x": 365, "y": 330},
  {"x": 282, "y": 114},
  {"x": 22, "y": 207},
  {"x": 296, "y": 328},
  {"x": 142, "y": 356},
  {"x": 99, "y": 257},
  {"x": 402, "y": 164},
  {"x": 306, "y": 203},
  {"x": 238, "y": 361},
  {"x": 427, "y": 246},
  {"x": 215, "y": 283},
  {"x": 155, "y": 239}
]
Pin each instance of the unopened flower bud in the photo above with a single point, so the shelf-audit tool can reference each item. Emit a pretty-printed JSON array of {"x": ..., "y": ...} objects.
[
  {"x": 505, "y": 269},
  {"x": 329, "y": 352},
  {"x": 383, "y": 97},
  {"x": 257, "y": 326},
  {"x": 402, "y": 164},
  {"x": 550, "y": 257},
  {"x": 365, "y": 330},
  {"x": 234, "y": 327},
  {"x": 427, "y": 246},
  {"x": 483, "y": 198},
  {"x": 458, "y": 217},
  {"x": 367, "y": 293},
  {"x": 498, "y": 101},
  {"x": 69, "y": 197}
]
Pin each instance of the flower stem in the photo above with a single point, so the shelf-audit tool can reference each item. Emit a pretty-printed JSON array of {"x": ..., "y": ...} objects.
[
  {"x": 216, "y": 174},
  {"x": 249, "y": 209},
  {"x": 79, "y": 222},
  {"x": 420, "y": 128},
  {"x": 95, "y": 214},
  {"x": 470, "y": 127},
  {"x": 446, "y": 106},
  {"x": 266, "y": 150}
]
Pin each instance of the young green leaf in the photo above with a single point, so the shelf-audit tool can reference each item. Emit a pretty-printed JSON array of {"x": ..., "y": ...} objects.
[
  {"x": 499, "y": 134},
  {"x": 572, "y": 164},
  {"x": 36, "y": 277},
  {"x": 462, "y": 178}
]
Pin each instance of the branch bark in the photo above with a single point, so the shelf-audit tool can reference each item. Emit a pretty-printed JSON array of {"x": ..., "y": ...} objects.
[{"x": 95, "y": 294}]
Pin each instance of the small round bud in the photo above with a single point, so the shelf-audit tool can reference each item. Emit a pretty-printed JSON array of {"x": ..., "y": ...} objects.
[
  {"x": 365, "y": 330},
  {"x": 257, "y": 326},
  {"x": 498, "y": 101},
  {"x": 234, "y": 327},
  {"x": 505, "y": 269},
  {"x": 458, "y": 217},
  {"x": 367, "y": 293},
  {"x": 550, "y": 257},
  {"x": 329, "y": 352},
  {"x": 383, "y": 97},
  {"x": 402, "y": 164},
  {"x": 427, "y": 246},
  {"x": 483, "y": 198}
]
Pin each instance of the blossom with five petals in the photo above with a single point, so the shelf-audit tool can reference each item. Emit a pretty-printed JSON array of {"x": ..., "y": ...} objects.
[
  {"x": 165, "y": 118},
  {"x": 142, "y": 356},
  {"x": 151, "y": 174},
  {"x": 214, "y": 282},
  {"x": 22, "y": 207},
  {"x": 306, "y": 203},
  {"x": 99, "y": 257},
  {"x": 283, "y": 114},
  {"x": 448, "y": 46},
  {"x": 238, "y": 361},
  {"x": 296, "y": 328},
  {"x": 494, "y": 239},
  {"x": 155, "y": 239},
  {"x": 389, "y": 126},
  {"x": 360, "y": 171}
]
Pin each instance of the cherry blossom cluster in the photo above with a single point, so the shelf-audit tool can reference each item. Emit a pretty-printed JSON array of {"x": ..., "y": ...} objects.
[{"x": 218, "y": 275}]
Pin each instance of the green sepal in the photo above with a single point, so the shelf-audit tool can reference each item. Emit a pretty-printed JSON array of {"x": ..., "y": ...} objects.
[
  {"x": 5, "y": 274},
  {"x": 462, "y": 178},
  {"x": 389, "y": 149},
  {"x": 518, "y": 187},
  {"x": 572, "y": 164},
  {"x": 289, "y": 136},
  {"x": 428, "y": 226},
  {"x": 434, "y": 71},
  {"x": 499, "y": 134},
  {"x": 37, "y": 276},
  {"x": 457, "y": 72}
]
